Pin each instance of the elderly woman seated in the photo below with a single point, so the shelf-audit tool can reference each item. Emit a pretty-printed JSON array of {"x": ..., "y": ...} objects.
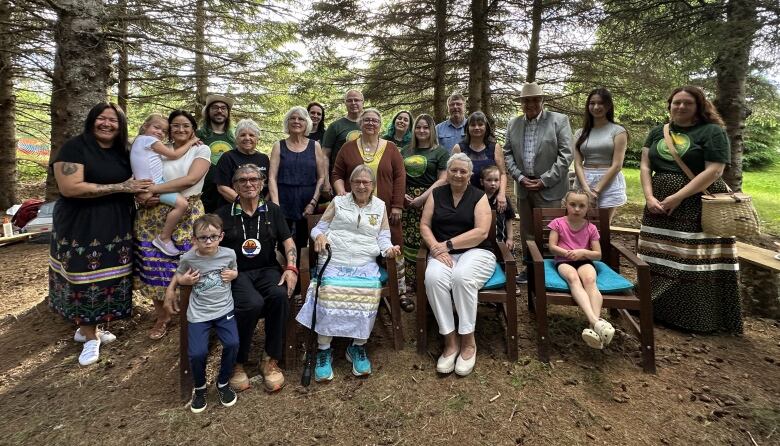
[
  {"x": 455, "y": 223},
  {"x": 357, "y": 229}
]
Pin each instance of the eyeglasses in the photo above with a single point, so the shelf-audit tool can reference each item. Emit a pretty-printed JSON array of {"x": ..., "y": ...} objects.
[
  {"x": 245, "y": 181},
  {"x": 370, "y": 121},
  {"x": 353, "y": 101},
  {"x": 181, "y": 126},
  {"x": 208, "y": 238},
  {"x": 361, "y": 182},
  {"x": 219, "y": 108}
]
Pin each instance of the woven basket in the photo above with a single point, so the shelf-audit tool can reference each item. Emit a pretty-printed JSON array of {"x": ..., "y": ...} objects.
[{"x": 729, "y": 214}]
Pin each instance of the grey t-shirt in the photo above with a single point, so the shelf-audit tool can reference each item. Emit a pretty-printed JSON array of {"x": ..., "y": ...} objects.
[
  {"x": 211, "y": 298},
  {"x": 600, "y": 145}
]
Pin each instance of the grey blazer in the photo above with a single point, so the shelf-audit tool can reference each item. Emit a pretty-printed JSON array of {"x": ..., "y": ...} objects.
[{"x": 553, "y": 154}]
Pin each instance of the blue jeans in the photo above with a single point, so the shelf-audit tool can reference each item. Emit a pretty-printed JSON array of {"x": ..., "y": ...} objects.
[{"x": 198, "y": 351}]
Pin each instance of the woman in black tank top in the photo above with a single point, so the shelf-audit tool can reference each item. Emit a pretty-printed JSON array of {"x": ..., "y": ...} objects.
[{"x": 455, "y": 225}]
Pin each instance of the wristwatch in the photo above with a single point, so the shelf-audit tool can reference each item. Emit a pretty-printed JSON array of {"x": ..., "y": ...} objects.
[{"x": 449, "y": 246}]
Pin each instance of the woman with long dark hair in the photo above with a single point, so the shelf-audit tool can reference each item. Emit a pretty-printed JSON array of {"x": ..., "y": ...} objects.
[
  {"x": 91, "y": 256},
  {"x": 694, "y": 276},
  {"x": 481, "y": 147},
  {"x": 599, "y": 151},
  {"x": 317, "y": 115},
  {"x": 154, "y": 269}
]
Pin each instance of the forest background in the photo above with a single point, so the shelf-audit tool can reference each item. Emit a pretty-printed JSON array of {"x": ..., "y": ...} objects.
[{"x": 60, "y": 57}]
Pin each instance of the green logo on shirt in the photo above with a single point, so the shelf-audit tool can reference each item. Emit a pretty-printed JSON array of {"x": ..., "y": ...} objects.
[
  {"x": 415, "y": 165},
  {"x": 217, "y": 149},
  {"x": 681, "y": 143}
]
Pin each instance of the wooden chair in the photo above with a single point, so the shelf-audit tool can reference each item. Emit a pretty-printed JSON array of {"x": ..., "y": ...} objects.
[
  {"x": 389, "y": 293},
  {"x": 504, "y": 296},
  {"x": 185, "y": 374},
  {"x": 637, "y": 299}
]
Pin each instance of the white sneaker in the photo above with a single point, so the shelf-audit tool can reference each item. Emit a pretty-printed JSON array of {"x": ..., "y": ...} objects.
[
  {"x": 90, "y": 353},
  {"x": 106, "y": 337},
  {"x": 463, "y": 367}
]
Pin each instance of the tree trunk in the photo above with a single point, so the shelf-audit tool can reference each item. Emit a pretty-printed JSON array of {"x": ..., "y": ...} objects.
[
  {"x": 123, "y": 64},
  {"x": 731, "y": 68},
  {"x": 201, "y": 74},
  {"x": 533, "y": 47},
  {"x": 439, "y": 67},
  {"x": 7, "y": 113},
  {"x": 82, "y": 71},
  {"x": 480, "y": 51}
]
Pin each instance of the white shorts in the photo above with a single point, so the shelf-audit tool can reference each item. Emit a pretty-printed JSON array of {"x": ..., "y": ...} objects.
[{"x": 614, "y": 194}]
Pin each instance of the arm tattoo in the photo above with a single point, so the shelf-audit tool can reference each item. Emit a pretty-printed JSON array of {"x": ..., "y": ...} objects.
[
  {"x": 69, "y": 168},
  {"x": 292, "y": 257},
  {"x": 105, "y": 189}
]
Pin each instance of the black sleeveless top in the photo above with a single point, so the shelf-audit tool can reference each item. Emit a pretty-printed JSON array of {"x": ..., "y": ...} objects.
[{"x": 449, "y": 221}]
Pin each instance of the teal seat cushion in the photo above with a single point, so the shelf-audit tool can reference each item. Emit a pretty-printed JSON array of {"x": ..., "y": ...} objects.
[
  {"x": 497, "y": 280},
  {"x": 607, "y": 280}
]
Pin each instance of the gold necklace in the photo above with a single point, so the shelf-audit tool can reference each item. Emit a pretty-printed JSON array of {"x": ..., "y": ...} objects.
[{"x": 365, "y": 154}]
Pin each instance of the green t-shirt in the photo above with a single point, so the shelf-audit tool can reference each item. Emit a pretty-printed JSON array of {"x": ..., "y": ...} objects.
[
  {"x": 337, "y": 134},
  {"x": 219, "y": 143},
  {"x": 697, "y": 144},
  {"x": 423, "y": 165}
]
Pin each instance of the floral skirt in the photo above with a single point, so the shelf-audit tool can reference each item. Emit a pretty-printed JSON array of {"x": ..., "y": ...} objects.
[
  {"x": 412, "y": 239},
  {"x": 90, "y": 261},
  {"x": 694, "y": 277},
  {"x": 153, "y": 268}
]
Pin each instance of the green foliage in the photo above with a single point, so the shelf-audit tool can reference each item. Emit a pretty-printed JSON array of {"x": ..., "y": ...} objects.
[{"x": 762, "y": 145}]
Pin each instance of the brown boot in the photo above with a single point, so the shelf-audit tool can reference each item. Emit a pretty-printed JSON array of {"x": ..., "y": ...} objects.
[
  {"x": 273, "y": 379},
  {"x": 239, "y": 381}
]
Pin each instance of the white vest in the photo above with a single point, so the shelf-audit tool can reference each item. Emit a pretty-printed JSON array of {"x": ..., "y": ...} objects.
[{"x": 354, "y": 230}]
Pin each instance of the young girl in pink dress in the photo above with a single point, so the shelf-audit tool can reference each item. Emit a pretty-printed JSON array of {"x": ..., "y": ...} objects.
[{"x": 575, "y": 243}]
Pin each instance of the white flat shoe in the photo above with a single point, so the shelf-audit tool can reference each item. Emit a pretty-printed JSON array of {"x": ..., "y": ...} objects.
[
  {"x": 446, "y": 364},
  {"x": 106, "y": 337},
  {"x": 90, "y": 353},
  {"x": 463, "y": 367}
]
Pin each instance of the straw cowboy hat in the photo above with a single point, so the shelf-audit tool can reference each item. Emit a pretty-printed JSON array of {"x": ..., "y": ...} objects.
[
  {"x": 531, "y": 89},
  {"x": 212, "y": 98}
]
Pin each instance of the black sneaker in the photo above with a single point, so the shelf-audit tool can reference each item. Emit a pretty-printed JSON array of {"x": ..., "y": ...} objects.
[
  {"x": 522, "y": 278},
  {"x": 227, "y": 396},
  {"x": 198, "y": 403}
]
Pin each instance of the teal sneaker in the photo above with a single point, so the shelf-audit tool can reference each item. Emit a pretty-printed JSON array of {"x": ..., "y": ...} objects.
[
  {"x": 323, "y": 371},
  {"x": 356, "y": 354}
]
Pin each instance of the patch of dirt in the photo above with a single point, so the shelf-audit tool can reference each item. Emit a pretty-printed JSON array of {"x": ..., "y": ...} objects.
[{"x": 708, "y": 389}]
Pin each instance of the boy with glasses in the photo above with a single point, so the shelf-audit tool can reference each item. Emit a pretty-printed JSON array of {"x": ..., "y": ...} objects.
[{"x": 209, "y": 269}]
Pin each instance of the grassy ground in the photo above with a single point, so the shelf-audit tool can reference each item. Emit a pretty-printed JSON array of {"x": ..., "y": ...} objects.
[{"x": 763, "y": 186}]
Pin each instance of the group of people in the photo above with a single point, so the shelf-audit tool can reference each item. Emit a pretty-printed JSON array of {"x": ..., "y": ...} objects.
[{"x": 216, "y": 214}]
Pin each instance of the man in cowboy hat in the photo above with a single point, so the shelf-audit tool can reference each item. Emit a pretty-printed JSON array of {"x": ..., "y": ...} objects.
[
  {"x": 538, "y": 155},
  {"x": 215, "y": 133}
]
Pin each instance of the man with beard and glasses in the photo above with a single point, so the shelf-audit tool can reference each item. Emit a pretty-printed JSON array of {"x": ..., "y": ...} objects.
[{"x": 215, "y": 133}]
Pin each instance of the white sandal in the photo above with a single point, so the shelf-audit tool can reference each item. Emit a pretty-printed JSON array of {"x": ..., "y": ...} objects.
[
  {"x": 592, "y": 339},
  {"x": 605, "y": 331}
]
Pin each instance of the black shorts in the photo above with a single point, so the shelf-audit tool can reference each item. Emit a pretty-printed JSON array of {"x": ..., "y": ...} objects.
[{"x": 575, "y": 263}]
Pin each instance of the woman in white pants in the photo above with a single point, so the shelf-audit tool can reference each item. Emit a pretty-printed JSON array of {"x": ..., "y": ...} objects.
[{"x": 455, "y": 224}]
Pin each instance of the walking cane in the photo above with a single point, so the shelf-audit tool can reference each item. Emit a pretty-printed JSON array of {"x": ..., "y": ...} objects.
[{"x": 311, "y": 347}]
